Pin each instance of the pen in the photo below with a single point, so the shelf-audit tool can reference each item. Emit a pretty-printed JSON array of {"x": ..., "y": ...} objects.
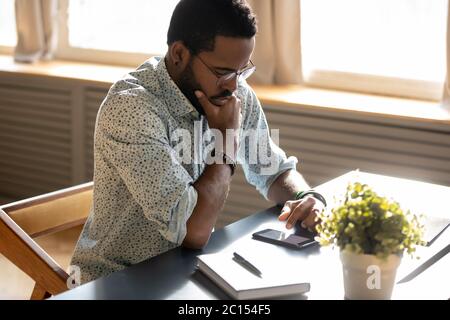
[{"x": 246, "y": 264}]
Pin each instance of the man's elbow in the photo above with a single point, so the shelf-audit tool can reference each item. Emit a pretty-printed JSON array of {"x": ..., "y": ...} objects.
[{"x": 195, "y": 241}]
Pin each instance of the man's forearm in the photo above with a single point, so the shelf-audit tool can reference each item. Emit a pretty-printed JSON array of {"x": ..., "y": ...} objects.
[
  {"x": 284, "y": 187},
  {"x": 212, "y": 190}
]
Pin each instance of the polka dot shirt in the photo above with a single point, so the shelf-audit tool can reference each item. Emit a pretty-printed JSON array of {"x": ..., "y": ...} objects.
[{"x": 143, "y": 193}]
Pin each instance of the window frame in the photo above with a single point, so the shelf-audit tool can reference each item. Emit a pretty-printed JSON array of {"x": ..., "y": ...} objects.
[
  {"x": 65, "y": 51},
  {"x": 376, "y": 84}
]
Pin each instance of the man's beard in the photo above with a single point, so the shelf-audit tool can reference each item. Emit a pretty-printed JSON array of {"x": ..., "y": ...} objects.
[{"x": 188, "y": 85}]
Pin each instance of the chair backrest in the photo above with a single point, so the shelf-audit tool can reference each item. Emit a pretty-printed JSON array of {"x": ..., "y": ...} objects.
[{"x": 24, "y": 220}]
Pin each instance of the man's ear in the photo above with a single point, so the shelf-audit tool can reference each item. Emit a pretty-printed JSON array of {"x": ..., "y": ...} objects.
[{"x": 179, "y": 55}]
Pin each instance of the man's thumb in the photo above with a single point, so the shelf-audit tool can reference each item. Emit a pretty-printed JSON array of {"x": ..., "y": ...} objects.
[{"x": 285, "y": 212}]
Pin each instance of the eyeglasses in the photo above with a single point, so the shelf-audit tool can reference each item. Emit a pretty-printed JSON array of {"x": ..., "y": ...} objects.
[{"x": 222, "y": 78}]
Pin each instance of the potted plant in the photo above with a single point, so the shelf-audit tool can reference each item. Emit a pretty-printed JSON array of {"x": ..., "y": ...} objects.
[{"x": 372, "y": 233}]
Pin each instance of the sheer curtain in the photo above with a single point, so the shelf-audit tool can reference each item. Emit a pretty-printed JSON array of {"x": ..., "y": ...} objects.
[
  {"x": 277, "y": 53},
  {"x": 36, "y": 22}
]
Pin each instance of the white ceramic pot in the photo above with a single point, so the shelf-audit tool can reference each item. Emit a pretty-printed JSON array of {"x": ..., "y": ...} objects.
[{"x": 368, "y": 277}]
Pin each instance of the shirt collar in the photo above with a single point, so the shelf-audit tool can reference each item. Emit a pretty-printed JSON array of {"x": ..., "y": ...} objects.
[{"x": 178, "y": 104}]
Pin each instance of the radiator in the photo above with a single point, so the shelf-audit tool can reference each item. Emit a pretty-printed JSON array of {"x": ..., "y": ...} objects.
[
  {"x": 35, "y": 139},
  {"x": 47, "y": 125}
]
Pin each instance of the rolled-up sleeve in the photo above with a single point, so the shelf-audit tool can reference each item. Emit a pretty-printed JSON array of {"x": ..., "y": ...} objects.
[
  {"x": 261, "y": 159},
  {"x": 149, "y": 167}
]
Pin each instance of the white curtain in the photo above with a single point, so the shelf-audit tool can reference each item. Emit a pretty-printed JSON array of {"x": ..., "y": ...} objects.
[
  {"x": 36, "y": 23},
  {"x": 277, "y": 54}
]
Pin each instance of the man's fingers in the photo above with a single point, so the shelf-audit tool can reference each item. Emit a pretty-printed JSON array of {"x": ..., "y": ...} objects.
[
  {"x": 206, "y": 104},
  {"x": 300, "y": 212},
  {"x": 285, "y": 212},
  {"x": 310, "y": 221}
]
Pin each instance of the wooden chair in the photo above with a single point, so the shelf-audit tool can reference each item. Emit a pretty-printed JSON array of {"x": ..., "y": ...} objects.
[{"x": 24, "y": 220}]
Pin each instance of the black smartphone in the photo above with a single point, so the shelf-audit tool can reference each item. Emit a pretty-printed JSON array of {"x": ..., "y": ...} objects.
[{"x": 279, "y": 237}]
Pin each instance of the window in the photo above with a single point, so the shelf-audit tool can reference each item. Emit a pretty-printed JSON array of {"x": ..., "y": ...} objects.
[
  {"x": 380, "y": 46},
  {"x": 114, "y": 31},
  {"x": 8, "y": 37}
]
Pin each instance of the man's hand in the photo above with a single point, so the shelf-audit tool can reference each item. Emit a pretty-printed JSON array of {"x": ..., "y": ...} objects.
[
  {"x": 304, "y": 210},
  {"x": 223, "y": 117}
]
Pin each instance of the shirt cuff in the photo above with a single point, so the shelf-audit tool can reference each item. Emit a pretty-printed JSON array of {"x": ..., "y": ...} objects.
[
  {"x": 176, "y": 231},
  {"x": 288, "y": 164}
]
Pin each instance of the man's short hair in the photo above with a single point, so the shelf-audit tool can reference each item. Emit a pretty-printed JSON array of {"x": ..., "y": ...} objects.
[{"x": 197, "y": 22}]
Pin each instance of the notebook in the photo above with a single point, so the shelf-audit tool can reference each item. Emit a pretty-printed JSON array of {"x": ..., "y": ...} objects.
[
  {"x": 434, "y": 227},
  {"x": 242, "y": 284}
]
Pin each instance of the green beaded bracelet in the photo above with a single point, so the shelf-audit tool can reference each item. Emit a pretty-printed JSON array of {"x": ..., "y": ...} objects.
[{"x": 301, "y": 194}]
